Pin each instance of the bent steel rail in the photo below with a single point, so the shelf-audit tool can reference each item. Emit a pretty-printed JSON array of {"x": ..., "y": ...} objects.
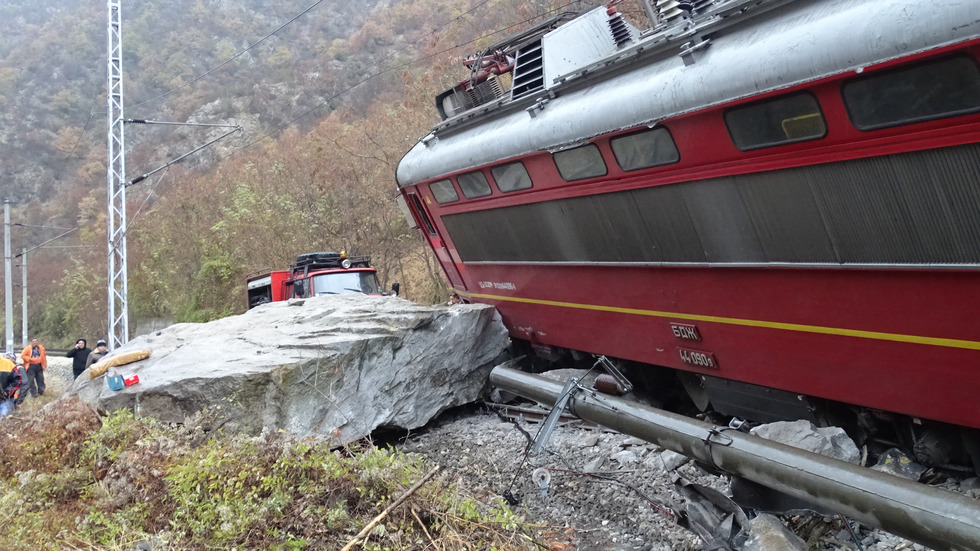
[{"x": 937, "y": 518}]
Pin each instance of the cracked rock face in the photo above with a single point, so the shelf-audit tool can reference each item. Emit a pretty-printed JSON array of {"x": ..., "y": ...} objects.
[{"x": 337, "y": 366}]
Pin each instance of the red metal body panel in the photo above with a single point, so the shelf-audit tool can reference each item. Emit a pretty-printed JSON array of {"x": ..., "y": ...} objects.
[
  {"x": 278, "y": 278},
  {"x": 793, "y": 329},
  {"x": 274, "y": 284}
]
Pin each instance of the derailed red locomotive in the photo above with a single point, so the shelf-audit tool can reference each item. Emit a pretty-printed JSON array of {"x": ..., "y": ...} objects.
[{"x": 769, "y": 206}]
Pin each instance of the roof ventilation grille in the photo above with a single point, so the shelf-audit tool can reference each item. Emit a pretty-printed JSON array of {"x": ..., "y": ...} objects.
[{"x": 528, "y": 70}]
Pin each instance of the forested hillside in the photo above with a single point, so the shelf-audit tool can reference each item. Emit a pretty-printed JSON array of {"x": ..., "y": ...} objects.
[{"x": 330, "y": 94}]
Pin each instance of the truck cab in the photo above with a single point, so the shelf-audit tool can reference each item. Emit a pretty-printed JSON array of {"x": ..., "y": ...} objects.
[{"x": 316, "y": 274}]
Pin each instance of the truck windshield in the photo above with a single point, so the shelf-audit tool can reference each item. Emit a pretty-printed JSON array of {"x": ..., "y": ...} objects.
[{"x": 336, "y": 283}]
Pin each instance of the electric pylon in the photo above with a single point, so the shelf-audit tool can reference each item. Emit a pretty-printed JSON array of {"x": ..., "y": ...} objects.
[{"x": 118, "y": 300}]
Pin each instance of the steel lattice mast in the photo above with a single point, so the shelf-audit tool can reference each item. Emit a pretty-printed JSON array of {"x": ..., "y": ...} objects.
[{"x": 118, "y": 307}]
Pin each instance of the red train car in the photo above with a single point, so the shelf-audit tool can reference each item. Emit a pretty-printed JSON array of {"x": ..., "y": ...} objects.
[{"x": 773, "y": 205}]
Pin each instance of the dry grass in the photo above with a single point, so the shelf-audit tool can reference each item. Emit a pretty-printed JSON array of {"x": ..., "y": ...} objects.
[{"x": 73, "y": 479}]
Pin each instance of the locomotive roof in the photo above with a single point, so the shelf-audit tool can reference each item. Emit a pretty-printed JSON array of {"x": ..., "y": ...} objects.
[{"x": 749, "y": 51}]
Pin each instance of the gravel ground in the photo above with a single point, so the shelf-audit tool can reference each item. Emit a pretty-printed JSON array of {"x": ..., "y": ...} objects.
[
  {"x": 477, "y": 449},
  {"x": 616, "y": 492}
]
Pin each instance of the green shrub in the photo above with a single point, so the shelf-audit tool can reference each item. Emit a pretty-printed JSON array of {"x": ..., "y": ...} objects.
[{"x": 133, "y": 479}]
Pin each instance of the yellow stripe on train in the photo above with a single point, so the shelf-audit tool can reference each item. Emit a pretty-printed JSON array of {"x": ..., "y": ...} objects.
[{"x": 858, "y": 333}]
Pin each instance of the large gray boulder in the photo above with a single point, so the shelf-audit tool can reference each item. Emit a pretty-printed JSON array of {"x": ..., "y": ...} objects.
[{"x": 337, "y": 366}]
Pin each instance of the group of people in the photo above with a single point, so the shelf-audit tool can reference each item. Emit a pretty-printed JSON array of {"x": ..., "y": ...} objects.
[
  {"x": 82, "y": 357},
  {"x": 18, "y": 376},
  {"x": 23, "y": 375}
]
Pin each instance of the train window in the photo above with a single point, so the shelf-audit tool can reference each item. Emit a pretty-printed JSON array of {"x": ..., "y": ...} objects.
[
  {"x": 473, "y": 184},
  {"x": 511, "y": 177},
  {"x": 772, "y": 122},
  {"x": 443, "y": 191},
  {"x": 582, "y": 162},
  {"x": 922, "y": 92},
  {"x": 644, "y": 149},
  {"x": 420, "y": 211}
]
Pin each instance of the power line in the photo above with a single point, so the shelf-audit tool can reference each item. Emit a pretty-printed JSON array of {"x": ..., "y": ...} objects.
[
  {"x": 349, "y": 88},
  {"x": 147, "y": 198},
  {"x": 234, "y": 128},
  {"x": 91, "y": 115},
  {"x": 437, "y": 29},
  {"x": 42, "y": 227},
  {"x": 268, "y": 134},
  {"x": 195, "y": 79},
  {"x": 345, "y": 90},
  {"x": 81, "y": 133},
  {"x": 46, "y": 242},
  {"x": 239, "y": 54},
  {"x": 232, "y": 58}
]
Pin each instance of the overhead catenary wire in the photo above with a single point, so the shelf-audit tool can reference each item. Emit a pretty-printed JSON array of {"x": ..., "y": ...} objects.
[
  {"x": 146, "y": 199},
  {"x": 78, "y": 138},
  {"x": 35, "y": 247},
  {"x": 92, "y": 111},
  {"x": 325, "y": 102},
  {"x": 269, "y": 134},
  {"x": 232, "y": 58},
  {"x": 526, "y": 459},
  {"x": 234, "y": 128},
  {"x": 42, "y": 227},
  {"x": 942, "y": 519},
  {"x": 609, "y": 478},
  {"x": 292, "y": 121},
  {"x": 64, "y": 247}
]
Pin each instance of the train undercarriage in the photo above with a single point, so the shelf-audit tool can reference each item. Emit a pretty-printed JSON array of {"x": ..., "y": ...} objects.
[{"x": 940, "y": 448}]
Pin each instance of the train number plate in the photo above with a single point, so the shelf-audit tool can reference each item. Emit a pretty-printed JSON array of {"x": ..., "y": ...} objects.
[
  {"x": 698, "y": 358},
  {"x": 686, "y": 331}
]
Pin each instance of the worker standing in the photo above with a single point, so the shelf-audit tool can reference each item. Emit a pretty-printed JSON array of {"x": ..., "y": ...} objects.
[
  {"x": 35, "y": 362},
  {"x": 100, "y": 351},
  {"x": 79, "y": 354}
]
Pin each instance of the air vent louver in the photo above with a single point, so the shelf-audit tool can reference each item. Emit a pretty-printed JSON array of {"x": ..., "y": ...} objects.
[
  {"x": 528, "y": 70},
  {"x": 456, "y": 100}
]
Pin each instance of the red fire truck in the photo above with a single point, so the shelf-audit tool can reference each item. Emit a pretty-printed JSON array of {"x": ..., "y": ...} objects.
[{"x": 316, "y": 274}]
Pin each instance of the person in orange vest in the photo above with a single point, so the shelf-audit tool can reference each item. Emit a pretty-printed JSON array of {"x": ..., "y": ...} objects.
[
  {"x": 7, "y": 364},
  {"x": 35, "y": 362},
  {"x": 10, "y": 378},
  {"x": 7, "y": 368}
]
